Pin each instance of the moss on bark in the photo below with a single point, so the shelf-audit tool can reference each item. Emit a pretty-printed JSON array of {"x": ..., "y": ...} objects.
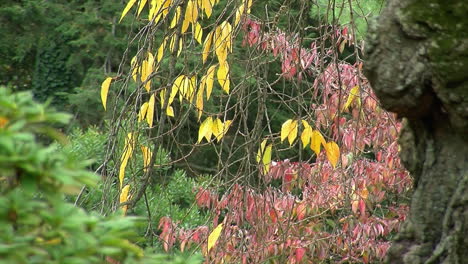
[{"x": 417, "y": 65}]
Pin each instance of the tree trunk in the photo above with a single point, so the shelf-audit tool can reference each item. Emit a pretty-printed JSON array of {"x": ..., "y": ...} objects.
[{"x": 417, "y": 63}]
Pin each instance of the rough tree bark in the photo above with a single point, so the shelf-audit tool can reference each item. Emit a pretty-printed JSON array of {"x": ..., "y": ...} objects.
[{"x": 417, "y": 63}]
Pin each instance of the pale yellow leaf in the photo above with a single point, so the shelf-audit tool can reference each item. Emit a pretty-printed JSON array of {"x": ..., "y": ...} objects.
[
  {"x": 223, "y": 76},
  {"x": 261, "y": 150},
  {"x": 128, "y": 150},
  {"x": 143, "y": 111},
  {"x": 207, "y": 46},
  {"x": 225, "y": 127},
  {"x": 199, "y": 101},
  {"x": 127, "y": 8},
  {"x": 333, "y": 153},
  {"x": 191, "y": 13},
  {"x": 147, "y": 154},
  {"x": 180, "y": 47},
  {"x": 165, "y": 7},
  {"x": 217, "y": 127},
  {"x": 239, "y": 13},
  {"x": 176, "y": 17},
  {"x": 266, "y": 160},
  {"x": 205, "y": 130},
  {"x": 170, "y": 111},
  {"x": 226, "y": 35},
  {"x": 134, "y": 65},
  {"x": 352, "y": 95},
  {"x": 289, "y": 130},
  {"x": 249, "y": 5},
  {"x": 316, "y": 140},
  {"x": 214, "y": 236},
  {"x": 176, "y": 87},
  {"x": 198, "y": 34},
  {"x": 123, "y": 165},
  {"x": 208, "y": 7},
  {"x": 209, "y": 81},
  {"x": 124, "y": 197},
  {"x": 306, "y": 133},
  {"x": 162, "y": 97},
  {"x": 220, "y": 44},
  {"x": 149, "y": 71},
  {"x": 105, "y": 90},
  {"x": 161, "y": 48},
  {"x": 172, "y": 43},
  {"x": 150, "y": 112},
  {"x": 141, "y": 6}
]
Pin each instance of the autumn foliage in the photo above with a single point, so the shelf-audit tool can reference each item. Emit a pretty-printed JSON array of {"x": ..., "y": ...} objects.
[
  {"x": 319, "y": 211},
  {"x": 341, "y": 204}
]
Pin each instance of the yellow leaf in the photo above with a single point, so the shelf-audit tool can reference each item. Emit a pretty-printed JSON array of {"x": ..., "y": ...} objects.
[
  {"x": 128, "y": 150},
  {"x": 223, "y": 76},
  {"x": 172, "y": 43},
  {"x": 127, "y": 8},
  {"x": 170, "y": 111},
  {"x": 176, "y": 17},
  {"x": 208, "y": 7},
  {"x": 143, "y": 111},
  {"x": 176, "y": 87},
  {"x": 249, "y": 5},
  {"x": 161, "y": 50},
  {"x": 124, "y": 197},
  {"x": 352, "y": 95},
  {"x": 226, "y": 126},
  {"x": 180, "y": 46},
  {"x": 199, "y": 101},
  {"x": 134, "y": 65},
  {"x": 239, "y": 13},
  {"x": 214, "y": 236},
  {"x": 205, "y": 130},
  {"x": 226, "y": 35},
  {"x": 158, "y": 9},
  {"x": 147, "y": 154},
  {"x": 162, "y": 96},
  {"x": 220, "y": 47},
  {"x": 209, "y": 81},
  {"x": 316, "y": 140},
  {"x": 267, "y": 158},
  {"x": 261, "y": 150},
  {"x": 333, "y": 152},
  {"x": 191, "y": 15},
  {"x": 165, "y": 6},
  {"x": 306, "y": 133},
  {"x": 217, "y": 127},
  {"x": 207, "y": 46},
  {"x": 148, "y": 70},
  {"x": 123, "y": 165},
  {"x": 141, "y": 6},
  {"x": 198, "y": 34},
  {"x": 104, "y": 90},
  {"x": 289, "y": 130},
  {"x": 150, "y": 112}
]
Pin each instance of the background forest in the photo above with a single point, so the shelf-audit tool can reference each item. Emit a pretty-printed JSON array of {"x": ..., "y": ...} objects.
[{"x": 198, "y": 131}]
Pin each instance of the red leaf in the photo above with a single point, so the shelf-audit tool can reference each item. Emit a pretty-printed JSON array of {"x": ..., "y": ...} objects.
[{"x": 300, "y": 252}]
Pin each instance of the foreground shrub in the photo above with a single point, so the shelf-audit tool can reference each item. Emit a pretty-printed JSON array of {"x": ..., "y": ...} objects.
[{"x": 36, "y": 224}]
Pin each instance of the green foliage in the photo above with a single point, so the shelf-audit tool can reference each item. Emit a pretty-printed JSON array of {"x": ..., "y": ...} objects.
[
  {"x": 345, "y": 15},
  {"x": 36, "y": 224},
  {"x": 175, "y": 199},
  {"x": 87, "y": 145}
]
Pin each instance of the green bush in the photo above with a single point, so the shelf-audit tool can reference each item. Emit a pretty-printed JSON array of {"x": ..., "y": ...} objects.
[{"x": 36, "y": 224}]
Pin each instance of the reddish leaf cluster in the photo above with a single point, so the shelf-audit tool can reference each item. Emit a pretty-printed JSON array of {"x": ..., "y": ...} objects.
[{"x": 317, "y": 212}]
